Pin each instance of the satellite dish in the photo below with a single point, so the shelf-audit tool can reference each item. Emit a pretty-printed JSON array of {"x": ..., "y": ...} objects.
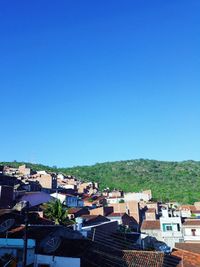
[
  {"x": 51, "y": 243},
  {"x": 4, "y": 226}
]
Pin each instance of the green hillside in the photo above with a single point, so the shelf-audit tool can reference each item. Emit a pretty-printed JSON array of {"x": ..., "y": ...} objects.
[{"x": 168, "y": 180}]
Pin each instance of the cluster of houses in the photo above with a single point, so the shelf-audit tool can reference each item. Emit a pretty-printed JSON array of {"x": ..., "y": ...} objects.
[{"x": 110, "y": 228}]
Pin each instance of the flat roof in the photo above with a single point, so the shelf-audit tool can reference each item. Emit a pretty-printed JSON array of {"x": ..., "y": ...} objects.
[{"x": 15, "y": 243}]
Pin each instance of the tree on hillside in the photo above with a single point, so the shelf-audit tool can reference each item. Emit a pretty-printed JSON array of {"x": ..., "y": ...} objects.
[{"x": 55, "y": 210}]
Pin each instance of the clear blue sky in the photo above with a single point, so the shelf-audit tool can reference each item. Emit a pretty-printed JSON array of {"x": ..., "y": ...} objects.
[{"x": 92, "y": 81}]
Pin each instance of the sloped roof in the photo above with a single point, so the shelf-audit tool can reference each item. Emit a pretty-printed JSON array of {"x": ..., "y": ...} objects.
[
  {"x": 74, "y": 210},
  {"x": 150, "y": 259},
  {"x": 93, "y": 219},
  {"x": 191, "y": 222},
  {"x": 188, "y": 259},
  {"x": 36, "y": 198},
  {"x": 148, "y": 225},
  {"x": 192, "y": 247},
  {"x": 116, "y": 214}
]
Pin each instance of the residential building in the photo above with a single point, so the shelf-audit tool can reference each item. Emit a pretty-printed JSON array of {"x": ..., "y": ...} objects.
[
  {"x": 152, "y": 228},
  {"x": 15, "y": 247},
  {"x": 6, "y": 196},
  {"x": 114, "y": 200},
  {"x": 94, "y": 201},
  {"x": 150, "y": 214},
  {"x": 88, "y": 188},
  {"x": 115, "y": 194},
  {"x": 47, "y": 181},
  {"x": 104, "y": 211},
  {"x": 145, "y": 196},
  {"x": 129, "y": 207},
  {"x": 125, "y": 220},
  {"x": 35, "y": 198},
  {"x": 69, "y": 200},
  {"x": 171, "y": 228},
  {"x": 24, "y": 171},
  {"x": 77, "y": 212},
  {"x": 153, "y": 205},
  {"x": 191, "y": 230},
  {"x": 51, "y": 261},
  {"x": 186, "y": 210}
]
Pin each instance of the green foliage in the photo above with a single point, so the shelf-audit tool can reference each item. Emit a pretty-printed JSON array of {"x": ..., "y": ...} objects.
[
  {"x": 174, "y": 181},
  {"x": 121, "y": 201},
  {"x": 55, "y": 211}
]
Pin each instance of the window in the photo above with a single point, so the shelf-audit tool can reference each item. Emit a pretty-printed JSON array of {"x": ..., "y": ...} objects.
[
  {"x": 193, "y": 232},
  {"x": 178, "y": 227},
  {"x": 168, "y": 228}
]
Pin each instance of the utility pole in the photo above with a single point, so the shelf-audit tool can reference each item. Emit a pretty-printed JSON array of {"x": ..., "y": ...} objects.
[{"x": 25, "y": 234}]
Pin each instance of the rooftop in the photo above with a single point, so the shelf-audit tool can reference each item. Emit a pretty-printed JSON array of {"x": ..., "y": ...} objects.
[
  {"x": 13, "y": 242},
  {"x": 116, "y": 214},
  {"x": 191, "y": 222},
  {"x": 187, "y": 207},
  {"x": 149, "y": 259},
  {"x": 188, "y": 259},
  {"x": 192, "y": 247},
  {"x": 149, "y": 225}
]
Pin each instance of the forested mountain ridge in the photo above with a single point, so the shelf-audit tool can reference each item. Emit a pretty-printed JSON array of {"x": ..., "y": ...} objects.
[{"x": 168, "y": 180}]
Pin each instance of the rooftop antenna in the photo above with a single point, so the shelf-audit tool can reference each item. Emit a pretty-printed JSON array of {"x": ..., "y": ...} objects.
[{"x": 50, "y": 243}]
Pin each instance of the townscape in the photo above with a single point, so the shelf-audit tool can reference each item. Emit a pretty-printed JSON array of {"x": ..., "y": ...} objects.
[{"x": 52, "y": 219}]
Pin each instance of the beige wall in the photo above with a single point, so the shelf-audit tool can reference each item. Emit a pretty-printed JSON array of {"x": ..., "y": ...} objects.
[
  {"x": 153, "y": 205},
  {"x": 98, "y": 211},
  {"x": 130, "y": 207},
  {"x": 23, "y": 170},
  {"x": 47, "y": 181},
  {"x": 150, "y": 216}
]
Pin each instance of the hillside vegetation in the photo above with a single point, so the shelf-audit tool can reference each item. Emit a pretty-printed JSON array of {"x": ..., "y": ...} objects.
[{"x": 178, "y": 181}]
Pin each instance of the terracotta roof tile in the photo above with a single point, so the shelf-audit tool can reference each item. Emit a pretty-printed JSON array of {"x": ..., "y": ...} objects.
[
  {"x": 188, "y": 259},
  {"x": 74, "y": 210},
  {"x": 154, "y": 224},
  {"x": 192, "y": 247},
  {"x": 143, "y": 258},
  {"x": 191, "y": 222}
]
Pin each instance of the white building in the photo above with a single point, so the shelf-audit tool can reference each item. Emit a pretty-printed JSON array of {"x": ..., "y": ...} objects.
[
  {"x": 55, "y": 261},
  {"x": 137, "y": 196},
  {"x": 171, "y": 229},
  {"x": 191, "y": 230},
  {"x": 115, "y": 200},
  {"x": 69, "y": 200}
]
